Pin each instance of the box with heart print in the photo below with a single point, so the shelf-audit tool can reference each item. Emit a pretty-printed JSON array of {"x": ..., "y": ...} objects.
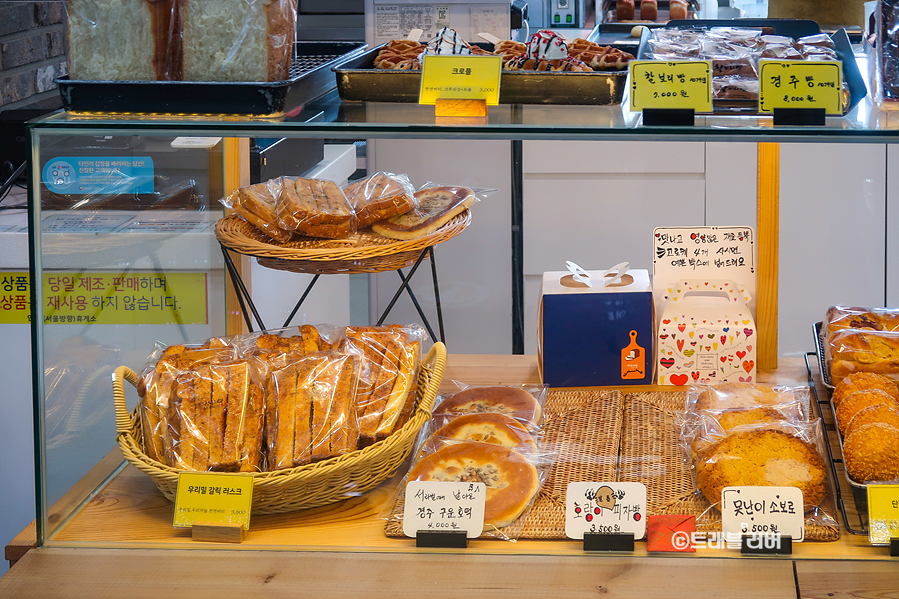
[{"x": 707, "y": 334}]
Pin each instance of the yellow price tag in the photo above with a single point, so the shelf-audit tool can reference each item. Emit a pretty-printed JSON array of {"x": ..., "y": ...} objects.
[
  {"x": 801, "y": 84},
  {"x": 676, "y": 84},
  {"x": 460, "y": 78},
  {"x": 219, "y": 497},
  {"x": 883, "y": 513}
]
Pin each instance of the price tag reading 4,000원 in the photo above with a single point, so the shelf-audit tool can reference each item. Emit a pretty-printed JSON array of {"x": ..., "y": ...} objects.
[
  {"x": 801, "y": 84},
  {"x": 676, "y": 84},
  {"x": 444, "y": 506}
]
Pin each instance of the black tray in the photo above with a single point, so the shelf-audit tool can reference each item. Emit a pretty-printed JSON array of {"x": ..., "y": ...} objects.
[
  {"x": 359, "y": 80},
  {"x": 310, "y": 77},
  {"x": 794, "y": 28}
]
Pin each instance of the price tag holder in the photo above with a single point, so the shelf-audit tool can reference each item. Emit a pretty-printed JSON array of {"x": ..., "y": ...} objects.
[
  {"x": 883, "y": 514},
  {"x": 682, "y": 84},
  {"x": 461, "y": 78},
  {"x": 763, "y": 511},
  {"x": 213, "y": 497},
  {"x": 804, "y": 84},
  {"x": 605, "y": 508},
  {"x": 435, "y": 506}
]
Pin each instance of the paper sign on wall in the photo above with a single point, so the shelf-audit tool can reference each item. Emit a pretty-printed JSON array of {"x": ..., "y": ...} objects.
[
  {"x": 605, "y": 508},
  {"x": 763, "y": 511},
  {"x": 451, "y": 506}
]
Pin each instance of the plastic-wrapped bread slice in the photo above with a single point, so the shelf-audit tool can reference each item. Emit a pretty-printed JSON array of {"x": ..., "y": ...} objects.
[
  {"x": 281, "y": 417},
  {"x": 256, "y": 204},
  {"x": 380, "y": 196},
  {"x": 402, "y": 392},
  {"x": 332, "y": 381},
  {"x": 315, "y": 207},
  {"x": 436, "y": 206}
]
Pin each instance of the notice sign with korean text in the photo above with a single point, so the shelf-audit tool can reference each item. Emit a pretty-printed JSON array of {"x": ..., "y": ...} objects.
[
  {"x": 801, "y": 84},
  {"x": 763, "y": 511},
  {"x": 883, "y": 513},
  {"x": 675, "y": 84},
  {"x": 605, "y": 508},
  {"x": 217, "y": 497},
  {"x": 450, "y": 506},
  {"x": 102, "y": 297},
  {"x": 460, "y": 78}
]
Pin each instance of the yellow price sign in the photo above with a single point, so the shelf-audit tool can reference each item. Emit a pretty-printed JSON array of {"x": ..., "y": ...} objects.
[
  {"x": 883, "y": 513},
  {"x": 675, "y": 84},
  {"x": 218, "y": 497},
  {"x": 801, "y": 84},
  {"x": 460, "y": 78}
]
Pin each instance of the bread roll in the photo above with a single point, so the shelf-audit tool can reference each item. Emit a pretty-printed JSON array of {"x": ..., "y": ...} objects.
[
  {"x": 883, "y": 413},
  {"x": 238, "y": 40}
]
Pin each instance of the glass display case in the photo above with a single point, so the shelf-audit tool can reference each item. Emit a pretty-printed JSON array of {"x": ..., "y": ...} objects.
[{"x": 135, "y": 274}]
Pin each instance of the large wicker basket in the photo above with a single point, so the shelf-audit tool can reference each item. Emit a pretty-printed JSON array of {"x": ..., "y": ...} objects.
[
  {"x": 360, "y": 253},
  {"x": 306, "y": 486}
]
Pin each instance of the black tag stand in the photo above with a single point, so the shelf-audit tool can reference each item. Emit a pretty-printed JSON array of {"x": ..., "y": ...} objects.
[
  {"x": 682, "y": 117},
  {"x": 799, "y": 116},
  {"x": 617, "y": 541},
  {"x": 762, "y": 545},
  {"x": 446, "y": 539},
  {"x": 894, "y": 547}
]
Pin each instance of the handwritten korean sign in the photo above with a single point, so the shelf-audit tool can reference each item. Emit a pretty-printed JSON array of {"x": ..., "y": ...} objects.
[
  {"x": 605, "y": 508},
  {"x": 883, "y": 513},
  {"x": 453, "y": 506},
  {"x": 698, "y": 252},
  {"x": 801, "y": 84},
  {"x": 213, "y": 497},
  {"x": 763, "y": 511},
  {"x": 676, "y": 84},
  {"x": 460, "y": 78},
  {"x": 107, "y": 298}
]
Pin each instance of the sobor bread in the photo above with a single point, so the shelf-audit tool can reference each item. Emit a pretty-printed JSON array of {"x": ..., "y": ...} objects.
[
  {"x": 510, "y": 479},
  {"x": 436, "y": 206}
]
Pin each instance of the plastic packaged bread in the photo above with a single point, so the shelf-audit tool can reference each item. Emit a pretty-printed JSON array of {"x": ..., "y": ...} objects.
[
  {"x": 436, "y": 206},
  {"x": 521, "y": 402},
  {"x": 380, "y": 196},
  {"x": 309, "y": 406},
  {"x": 855, "y": 350},
  {"x": 390, "y": 357},
  {"x": 257, "y": 204},
  {"x": 315, "y": 207},
  {"x": 724, "y": 396}
]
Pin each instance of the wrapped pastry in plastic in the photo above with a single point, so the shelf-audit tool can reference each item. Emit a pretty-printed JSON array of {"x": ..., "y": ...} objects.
[
  {"x": 725, "y": 396},
  {"x": 735, "y": 88},
  {"x": 523, "y": 402},
  {"x": 820, "y": 40},
  {"x": 380, "y": 196},
  {"x": 853, "y": 350},
  {"x": 495, "y": 428},
  {"x": 215, "y": 418},
  {"x": 309, "y": 409},
  {"x": 256, "y": 204},
  {"x": 738, "y": 36},
  {"x": 849, "y": 317},
  {"x": 314, "y": 207},
  {"x": 390, "y": 358},
  {"x": 727, "y": 59},
  {"x": 280, "y": 345}
]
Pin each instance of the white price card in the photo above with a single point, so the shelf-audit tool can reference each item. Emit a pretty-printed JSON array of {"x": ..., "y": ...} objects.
[
  {"x": 605, "y": 508},
  {"x": 763, "y": 511},
  {"x": 451, "y": 506}
]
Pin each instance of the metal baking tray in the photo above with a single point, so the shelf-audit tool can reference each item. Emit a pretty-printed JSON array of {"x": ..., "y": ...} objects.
[
  {"x": 359, "y": 80},
  {"x": 611, "y": 24},
  {"x": 794, "y": 28},
  {"x": 310, "y": 77}
]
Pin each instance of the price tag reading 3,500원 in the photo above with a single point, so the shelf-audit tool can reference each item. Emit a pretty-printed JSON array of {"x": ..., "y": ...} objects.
[
  {"x": 676, "y": 84},
  {"x": 801, "y": 84},
  {"x": 218, "y": 497},
  {"x": 460, "y": 78},
  {"x": 450, "y": 506}
]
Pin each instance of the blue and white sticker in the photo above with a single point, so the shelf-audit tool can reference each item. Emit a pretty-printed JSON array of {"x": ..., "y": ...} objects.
[{"x": 99, "y": 174}]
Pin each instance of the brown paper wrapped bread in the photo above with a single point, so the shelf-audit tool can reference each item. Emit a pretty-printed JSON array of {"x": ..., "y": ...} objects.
[
  {"x": 314, "y": 207},
  {"x": 436, "y": 206},
  {"x": 383, "y": 195}
]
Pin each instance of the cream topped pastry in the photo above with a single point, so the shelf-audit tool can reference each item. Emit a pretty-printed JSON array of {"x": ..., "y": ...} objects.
[
  {"x": 447, "y": 42},
  {"x": 547, "y": 45}
]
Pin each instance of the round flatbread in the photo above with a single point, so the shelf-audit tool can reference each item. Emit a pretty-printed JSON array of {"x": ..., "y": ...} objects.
[
  {"x": 511, "y": 480},
  {"x": 436, "y": 206},
  {"x": 498, "y": 429},
  {"x": 514, "y": 401}
]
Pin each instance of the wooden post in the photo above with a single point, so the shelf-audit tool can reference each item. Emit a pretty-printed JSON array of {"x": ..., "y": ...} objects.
[
  {"x": 235, "y": 167},
  {"x": 767, "y": 242}
]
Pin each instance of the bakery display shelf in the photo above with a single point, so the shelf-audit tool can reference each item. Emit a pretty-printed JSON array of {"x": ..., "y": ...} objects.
[
  {"x": 359, "y": 80},
  {"x": 312, "y": 485},
  {"x": 611, "y": 24},
  {"x": 795, "y": 28},
  {"x": 310, "y": 77},
  {"x": 858, "y": 490}
]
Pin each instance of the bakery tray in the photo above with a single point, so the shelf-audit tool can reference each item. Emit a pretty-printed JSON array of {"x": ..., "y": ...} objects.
[
  {"x": 610, "y": 23},
  {"x": 794, "y": 28},
  {"x": 359, "y": 80},
  {"x": 310, "y": 78}
]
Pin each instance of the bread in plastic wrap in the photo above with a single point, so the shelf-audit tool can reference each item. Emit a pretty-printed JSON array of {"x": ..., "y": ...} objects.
[
  {"x": 517, "y": 401},
  {"x": 315, "y": 207},
  {"x": 380, "y": 196}
]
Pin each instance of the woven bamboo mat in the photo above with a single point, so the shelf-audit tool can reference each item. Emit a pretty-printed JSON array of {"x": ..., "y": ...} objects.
[
  {"x": 650, "y": 455},
  {"x": 583, "y": 425}
]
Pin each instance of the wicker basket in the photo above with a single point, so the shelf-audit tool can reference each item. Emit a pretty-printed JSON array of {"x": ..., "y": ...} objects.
[
  {"x": 306, "y": 486},
  {"x": 360, "y": 253}
]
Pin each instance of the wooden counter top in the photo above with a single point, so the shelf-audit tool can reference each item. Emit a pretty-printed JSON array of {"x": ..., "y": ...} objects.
[{"x": 122, "y": 542}]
